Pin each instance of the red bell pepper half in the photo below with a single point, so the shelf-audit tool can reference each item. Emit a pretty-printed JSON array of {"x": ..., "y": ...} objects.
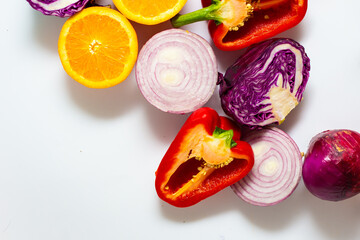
[
  {"x": 236, "y": 24},
  {"x": 205, "y": 157}
]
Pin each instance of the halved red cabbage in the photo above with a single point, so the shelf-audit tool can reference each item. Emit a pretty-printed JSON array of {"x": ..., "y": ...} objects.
[
  {"x": 265, "y": 83},
  {"x": 60, "y": 8}
]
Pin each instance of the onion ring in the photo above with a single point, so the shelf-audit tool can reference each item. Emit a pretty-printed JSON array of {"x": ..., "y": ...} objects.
[
  {"x": 176, "y": 71},
  {"x": 277, "y": 169}
]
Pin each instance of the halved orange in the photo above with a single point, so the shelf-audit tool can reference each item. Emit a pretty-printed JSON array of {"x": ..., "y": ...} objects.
[
  {"x": 149, "y": 12},
  {"x": 98, "y": 47}
]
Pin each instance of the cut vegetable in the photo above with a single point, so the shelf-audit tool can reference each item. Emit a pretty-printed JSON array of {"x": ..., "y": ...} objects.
[
  {"x": 276, "y": 171},
  {"x": 265, "y": 83},
  {"x": 176, "y": 71},
  {"x": 332, "y": 165},
  {"x": 236, "y": 24},
  {"x": 60, "y": 8},
  {"x": 205, "y": 157}
]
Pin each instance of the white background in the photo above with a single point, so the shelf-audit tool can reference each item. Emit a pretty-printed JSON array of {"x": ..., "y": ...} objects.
[{"x": 78, "y": 163}]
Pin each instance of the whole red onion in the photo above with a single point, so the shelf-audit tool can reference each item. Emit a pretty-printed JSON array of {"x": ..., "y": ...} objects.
[{"x": 331, "y": 169}]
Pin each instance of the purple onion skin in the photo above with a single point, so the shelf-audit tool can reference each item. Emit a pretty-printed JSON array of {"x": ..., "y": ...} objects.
[
  {"x": 64, "y": 12},
  {"x": 244, "y": 90},
  {"x": 331, "y": 169}
]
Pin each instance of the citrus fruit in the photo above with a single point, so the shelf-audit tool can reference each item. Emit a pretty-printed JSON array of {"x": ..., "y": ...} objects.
[
  {"x": 98, "y": 47},
  {"x": 149, "y": 12}
]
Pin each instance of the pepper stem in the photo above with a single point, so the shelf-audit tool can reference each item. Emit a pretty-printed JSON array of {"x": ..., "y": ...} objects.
[
  {"x": 232, "y": 13},
  {"x": 207, "y": 13},
  {"x": 227, "y": 135}
]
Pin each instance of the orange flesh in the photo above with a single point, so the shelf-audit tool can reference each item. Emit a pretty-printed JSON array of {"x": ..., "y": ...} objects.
[
  {"x": 149, "y": 8},
  {"x": 97, "y": 48}
]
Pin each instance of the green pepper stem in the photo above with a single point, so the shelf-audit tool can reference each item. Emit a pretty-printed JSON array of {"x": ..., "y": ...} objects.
[
  {"x": 227, "y": 135},
  {"x": 207, "y": 13}
]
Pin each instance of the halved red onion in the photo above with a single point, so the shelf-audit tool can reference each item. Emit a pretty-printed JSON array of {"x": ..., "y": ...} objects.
[
  {"x": 176, "y": 71},
  {"x": 277, "y": 168}
]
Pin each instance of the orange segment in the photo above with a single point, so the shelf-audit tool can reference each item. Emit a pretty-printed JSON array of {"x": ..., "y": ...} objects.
[
  {"x": 149, "y": 12},
  {"x": 98, "y": 47}
]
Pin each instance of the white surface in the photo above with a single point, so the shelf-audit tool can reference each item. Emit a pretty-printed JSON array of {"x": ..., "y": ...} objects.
[{"x": 79, "y": 163}]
